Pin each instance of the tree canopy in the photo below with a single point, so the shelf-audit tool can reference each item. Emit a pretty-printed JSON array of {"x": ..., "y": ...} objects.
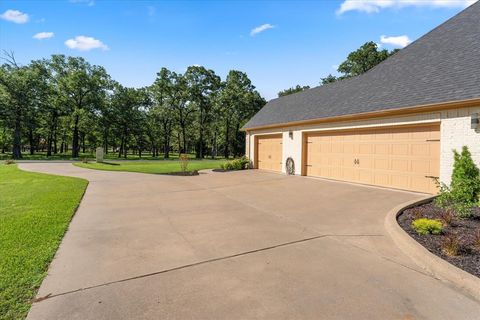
[
  {"x": 65, "y": 105},
  {"x": 297, "y": 88},
  {"x": 359, "y": 61},
  {"x": 356, "y": 63}
]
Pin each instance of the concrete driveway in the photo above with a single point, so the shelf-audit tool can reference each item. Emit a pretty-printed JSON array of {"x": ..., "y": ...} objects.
[{"x": 240, "y": 245}]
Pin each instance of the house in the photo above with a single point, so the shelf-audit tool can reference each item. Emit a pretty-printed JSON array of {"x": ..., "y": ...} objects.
[{"x": 394, "y": 126}]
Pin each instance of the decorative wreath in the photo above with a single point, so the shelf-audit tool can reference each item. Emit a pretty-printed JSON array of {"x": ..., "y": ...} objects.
[{"x": 290, "y": 166}]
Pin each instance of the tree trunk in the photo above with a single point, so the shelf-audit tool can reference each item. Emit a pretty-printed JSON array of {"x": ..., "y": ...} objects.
[
  {"x": 184, "y": 149},
  {"x": 31, "y": 141},
  {"x": 83, "y": 142},
  {"x": 214, "y": 145},
  {"x": 17, "y": 139},
  {"x": 75, "y": 146},
  {"x": 49, "y": 145},
  {"x": 120, "y": 150},
  {"x": 227, "y": 139}
]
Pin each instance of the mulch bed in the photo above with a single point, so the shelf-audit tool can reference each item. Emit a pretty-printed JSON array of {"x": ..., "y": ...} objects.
[
  {"x": 183, "y": 174},
  {"x": 468, "y": 257}
]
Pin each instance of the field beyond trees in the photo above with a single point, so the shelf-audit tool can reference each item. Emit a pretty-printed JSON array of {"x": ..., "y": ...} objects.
[
  {"x": 66, "y": 106},
  {"x": 35, "y": 210}
]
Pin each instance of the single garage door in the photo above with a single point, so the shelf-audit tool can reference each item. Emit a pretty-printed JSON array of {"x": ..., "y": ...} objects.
[
  {"x": 396, "y": 157},
  {"x": 269, "y": 152}
]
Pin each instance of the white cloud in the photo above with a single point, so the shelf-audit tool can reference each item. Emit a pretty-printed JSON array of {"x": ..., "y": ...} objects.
[
  {"x": 373, "y": 6},
  {"x": 43, "y": 35},
  {"x": 84, "y": 43},
  {"x": 15, "y": 16},
  {"x": 399, "y": 41},
  {"x": 261, "y": 28}
]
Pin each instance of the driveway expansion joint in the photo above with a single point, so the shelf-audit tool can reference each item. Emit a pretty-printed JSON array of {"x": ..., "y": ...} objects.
[{"x": 195, "y": 264}]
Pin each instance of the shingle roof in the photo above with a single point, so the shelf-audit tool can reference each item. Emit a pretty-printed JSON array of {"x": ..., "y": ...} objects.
[{"x": 441, "y": 66}]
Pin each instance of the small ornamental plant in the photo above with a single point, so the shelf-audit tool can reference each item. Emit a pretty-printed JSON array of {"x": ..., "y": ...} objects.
[
  {"x": 451, "y": 245},
  {"x": 183, "y": 162},
  {"x": 446, "y": 216},
  {"x": 427, "y": 226}
]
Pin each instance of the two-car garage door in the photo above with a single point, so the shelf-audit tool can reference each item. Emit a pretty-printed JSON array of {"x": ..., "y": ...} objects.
[{"x": 397, "y": 157}]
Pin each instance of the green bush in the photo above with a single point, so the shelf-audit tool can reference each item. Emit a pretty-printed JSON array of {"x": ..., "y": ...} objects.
[
  {"x": 427, "y": 226},
  {"x": 464, "y": 190},
  {"x": 236, "y": 164}
]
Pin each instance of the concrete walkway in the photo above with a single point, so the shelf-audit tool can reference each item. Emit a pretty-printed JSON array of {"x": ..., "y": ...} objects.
[{"x": 240, "y": 245}]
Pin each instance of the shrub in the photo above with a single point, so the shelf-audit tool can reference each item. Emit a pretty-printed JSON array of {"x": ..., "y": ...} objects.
[
  {"x": 427, "y": 226},
  {"x": 464, "y": 190},
  {"x": 9, "y": 161},
  {"x": 183, "y": 162},
  {"x": 451, "y": 245},
  {"x": 236, "y": 164}
]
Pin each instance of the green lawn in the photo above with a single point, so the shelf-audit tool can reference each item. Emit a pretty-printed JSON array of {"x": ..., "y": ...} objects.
[
  {"x": 156, "y": 167},
  {"x": 35, "y": 210},
  {"x": 39, "y": 155}
]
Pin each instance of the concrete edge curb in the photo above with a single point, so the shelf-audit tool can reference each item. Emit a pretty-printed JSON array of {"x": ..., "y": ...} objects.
[{"x": 428, "y": 261}]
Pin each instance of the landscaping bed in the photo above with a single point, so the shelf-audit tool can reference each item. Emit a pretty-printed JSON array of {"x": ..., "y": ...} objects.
[{"x": 466, "y": 231}]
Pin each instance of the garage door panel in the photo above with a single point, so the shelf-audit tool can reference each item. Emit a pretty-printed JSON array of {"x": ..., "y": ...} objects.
[
  {"x": 398, "y": 157},
  {"x": 269, "y": 152}
]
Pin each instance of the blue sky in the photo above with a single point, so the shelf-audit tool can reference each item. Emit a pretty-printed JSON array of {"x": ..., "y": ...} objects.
[{"x": 295, "y": 43}]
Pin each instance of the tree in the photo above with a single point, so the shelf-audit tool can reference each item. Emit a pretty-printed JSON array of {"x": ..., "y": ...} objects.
[
  {"x": 328, "y": 79},
  {"x": 292, "y": 90},
  {"x": 127, "y": 103},
  {"x": 64, "y": 103},
  {"x": 238, "y": 102},
  {"x": 182, "y": 107},
  {"x": 81, "y": 86},
  {"x": 359, "y": 61},
  {"x": 363, "y": 59},
  {"x": 20, "y": 90},
  {"x": 202, "y": 85}
]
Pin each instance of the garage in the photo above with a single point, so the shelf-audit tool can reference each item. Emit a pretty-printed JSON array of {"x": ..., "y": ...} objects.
[
  {"x": 269, "y": 152},
  {"x": 405, "y": 157}
]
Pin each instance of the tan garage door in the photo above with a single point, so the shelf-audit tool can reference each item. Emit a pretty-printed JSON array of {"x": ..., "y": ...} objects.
[
  {"x": 397, "y": 157},
  {"x": 269, "y": 152}
]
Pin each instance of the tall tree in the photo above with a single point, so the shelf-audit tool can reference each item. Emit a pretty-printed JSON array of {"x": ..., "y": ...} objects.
[
  {"x": 238, "y": 101},
  {"x": 183, "y": 109},
  {"x": 202, "y": 85},
  {"x": 165, "y": 99},
  {"x": 359, "y": 61},
  {"x": 20, "y": 90},
  {"x": 363, "y": 59},
  {"x": 297, "y": 88},
  {"x": 127, "y": 103},
  {"x": 81, "y": 86}
]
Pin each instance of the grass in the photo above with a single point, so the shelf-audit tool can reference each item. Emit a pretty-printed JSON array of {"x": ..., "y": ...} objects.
[
  {"x": 35, "y": 210},
  {"x": 155, "y": 167},
  {"x": 109, "y": 156}
]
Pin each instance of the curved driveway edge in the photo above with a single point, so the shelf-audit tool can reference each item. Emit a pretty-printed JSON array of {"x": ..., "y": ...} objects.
[
  {"x": 440, "y": 268},
  {"x": 242, "y": 245}
]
